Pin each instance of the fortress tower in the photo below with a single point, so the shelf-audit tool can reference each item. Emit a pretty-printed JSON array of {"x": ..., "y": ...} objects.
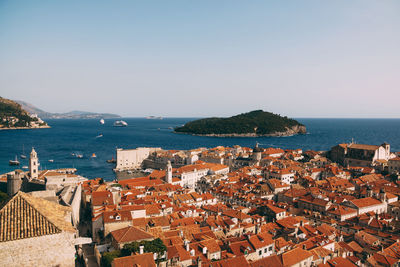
[{"x": 14, "y": 182}]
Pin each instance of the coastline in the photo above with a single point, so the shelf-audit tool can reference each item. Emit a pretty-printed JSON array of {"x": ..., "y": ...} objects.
[
  {"x": 25, "y": 128},
  {"x": 244, "y": 135},
  {"x": 290, "y": 132}
]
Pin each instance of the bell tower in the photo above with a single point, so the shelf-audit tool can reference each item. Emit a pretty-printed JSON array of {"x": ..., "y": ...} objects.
[
  {"x": 168, "y": 173},
  {"x": 257, "y": 152},
  {"x": 33, "y": 165}
]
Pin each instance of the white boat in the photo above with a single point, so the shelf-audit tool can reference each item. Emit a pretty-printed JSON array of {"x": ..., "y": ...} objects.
[
  {"x": 25, "y": 167},
  {"x": 100, "y": 135},
  {"x": 102, "y": 121},
  {"x": 13, "y": 162},
  {"x": 79, "y": 156},
  {"x": 22, "y": 156},
  {"x": 51, "y": 160},
  {"x": 120, "y": 124}
]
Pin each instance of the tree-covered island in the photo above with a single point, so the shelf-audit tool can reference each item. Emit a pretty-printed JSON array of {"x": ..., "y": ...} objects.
[{"x": 251, "y": 124}]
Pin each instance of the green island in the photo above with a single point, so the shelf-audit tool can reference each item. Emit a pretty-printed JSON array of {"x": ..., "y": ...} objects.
[
  {"x": 13, "y": 116},
  {"x": 251, "y": 124}
]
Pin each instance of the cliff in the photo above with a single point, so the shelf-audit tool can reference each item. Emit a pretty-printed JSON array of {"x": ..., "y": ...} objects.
[{"x": 251, "y": 124}]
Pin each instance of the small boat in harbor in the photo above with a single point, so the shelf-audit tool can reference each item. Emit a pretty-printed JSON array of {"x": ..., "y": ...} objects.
[
  {"x": 100, "y": 135},
  {"x": 102, "y": 121},
  {"x": 79, "y": 156},
  {"x": 94, "y": 155},
  {"x": 112, "y": 160},
  {"x": 51, "y": 160},
  {"x": 120, "y": 124},
  {"x": 13, "y": 162},
  {"x": 25, "y": 167},
  {"x": 23, "y": 156}
]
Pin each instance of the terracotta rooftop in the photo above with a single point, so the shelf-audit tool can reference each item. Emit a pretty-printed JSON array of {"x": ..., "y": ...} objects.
[
  {"x": 361, "y": 146},
  {"x": 365, "y": 202},
  {"x": 268, "y": 261},
  {"x": 145, "y": 259},
  {"x": 295, "y": 256},
  {"x": 25, "y": 216},
  {"x": 342, "y": 262},
  {"x": 232, "y": 262},
  {"x": 130, "y": 234}
]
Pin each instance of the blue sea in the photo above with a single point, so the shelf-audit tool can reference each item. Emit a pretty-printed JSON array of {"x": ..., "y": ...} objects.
[{"x": 80, "y": 137}]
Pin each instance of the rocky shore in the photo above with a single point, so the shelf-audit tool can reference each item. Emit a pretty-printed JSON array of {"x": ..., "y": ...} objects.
[
  {"x": 25, "y": 128},
  {"x": 289, "y": 132}
]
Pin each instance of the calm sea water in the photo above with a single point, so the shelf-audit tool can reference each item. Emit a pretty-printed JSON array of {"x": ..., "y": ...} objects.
[{"x": 79, "y": 136}]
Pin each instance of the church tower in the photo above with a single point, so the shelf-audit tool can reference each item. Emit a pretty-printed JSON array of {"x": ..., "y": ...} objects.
[
  {"x": 168, "y": 173},
  {"x": 33, "y": 165},
  {"x": 382, "y": 195},
  {"x": 257, "y": 152}
]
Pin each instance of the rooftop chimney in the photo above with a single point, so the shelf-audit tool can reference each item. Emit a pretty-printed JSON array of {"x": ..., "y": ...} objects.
[{"x": 141, "y": 248}]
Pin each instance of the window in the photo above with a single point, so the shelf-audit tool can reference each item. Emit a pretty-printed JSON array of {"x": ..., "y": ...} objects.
[
  {"x": 265, "y": 250},
  {"x": 260, "y": 252},
  {"x": 270, "y": 248}
]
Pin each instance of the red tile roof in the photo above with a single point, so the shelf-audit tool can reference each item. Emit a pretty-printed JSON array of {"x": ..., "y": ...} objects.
[
  {"x": 143, "y": 260},
  {"x": 130, "y": 234}
]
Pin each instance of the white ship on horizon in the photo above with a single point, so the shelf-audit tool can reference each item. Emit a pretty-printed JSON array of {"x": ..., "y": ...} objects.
[
  {"x": 120, "y": 124},
  {"x": 102, "y": 121}
]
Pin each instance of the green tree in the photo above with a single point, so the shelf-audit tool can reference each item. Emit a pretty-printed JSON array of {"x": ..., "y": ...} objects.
[
  {"x": 108, "y": 257},
  {"x": 154, "y": 246}
]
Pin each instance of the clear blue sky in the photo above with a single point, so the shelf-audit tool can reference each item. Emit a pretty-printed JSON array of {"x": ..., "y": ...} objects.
[{"x": 203, "y": 58}]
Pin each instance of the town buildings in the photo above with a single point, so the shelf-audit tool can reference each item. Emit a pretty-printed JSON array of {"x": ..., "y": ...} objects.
[{"x": 245, "y": 207}]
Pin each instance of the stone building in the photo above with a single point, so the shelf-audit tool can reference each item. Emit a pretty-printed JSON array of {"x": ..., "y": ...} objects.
[
  {"x": 394, "y": 165},
  {"x": 36, "y": 232},
  {"x": 359, "y": 154},
  {"x": 129, "y": 159}
]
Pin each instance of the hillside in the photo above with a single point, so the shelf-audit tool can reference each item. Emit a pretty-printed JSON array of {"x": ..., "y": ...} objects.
[
  {"x": 13, "y": 116},
  {"x": 68, "y": 115},
  {"x": 254, "y": 123}
]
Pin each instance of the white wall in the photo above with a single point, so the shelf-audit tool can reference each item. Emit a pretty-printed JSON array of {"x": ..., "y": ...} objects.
[{"x": 133, "y": 158}]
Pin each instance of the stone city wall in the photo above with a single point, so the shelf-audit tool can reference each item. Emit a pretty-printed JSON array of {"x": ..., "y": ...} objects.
[{"x": 49, "y": 250}]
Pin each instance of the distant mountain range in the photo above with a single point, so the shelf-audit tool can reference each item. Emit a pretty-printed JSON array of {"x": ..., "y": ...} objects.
[{"x": 76, "y": 114}]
